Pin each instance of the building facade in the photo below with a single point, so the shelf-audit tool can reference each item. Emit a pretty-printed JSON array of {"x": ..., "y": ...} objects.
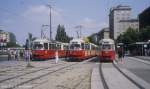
[
  {"x": 104, "y": 33},
  {"x": 144, "y": 18},
  {"x": 4, "y": 36},
  {"x": 117, "y": 14},
  {"x": 125, "y": 24}
]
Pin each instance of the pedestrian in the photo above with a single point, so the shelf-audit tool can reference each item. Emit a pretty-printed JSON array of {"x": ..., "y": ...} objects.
[
  {"x": 56, "y": 57},
  {"x": 21, "y": 54},
  {"x": 26, "y": 55},
  {"x": 120, "y": 54},
  {"x": 17, "y": 55},
  {"x": 9, "y": 54},
  {"x": 13, "y": 54}
]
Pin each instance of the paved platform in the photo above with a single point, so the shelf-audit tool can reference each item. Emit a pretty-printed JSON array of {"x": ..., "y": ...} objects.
[
  {"x": 95, "y": 78},
  {"x": 144, "y": 57}
]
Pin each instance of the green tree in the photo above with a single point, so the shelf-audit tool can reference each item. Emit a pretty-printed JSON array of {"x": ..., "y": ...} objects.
[
  {"x": 61, "y": 34},
  {"x": 12, "y": 42},
  {"x": 128, "y": 37},
  {"x": 31, "y": 38},
  {"x": 144, "y": 34},
  {"x": 94, "y": 38},
  {"x": 12, "y": 37}
]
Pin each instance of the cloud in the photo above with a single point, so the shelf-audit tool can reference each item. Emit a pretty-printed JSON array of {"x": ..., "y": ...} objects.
[
  {"x": 90, "y": 26},
  {"x": 103, "y": 25},
  {"x": 89, "y": 23},
  {"x": 31, "y": 20},
  {"x": 40, "y": 14}
]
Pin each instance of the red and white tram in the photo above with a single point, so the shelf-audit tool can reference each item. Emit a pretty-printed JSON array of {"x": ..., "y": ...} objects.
[
  {"x": 81, "y": 50},
  {"x": 44, "y": 49},
  {"x": 107, "y": 50}
]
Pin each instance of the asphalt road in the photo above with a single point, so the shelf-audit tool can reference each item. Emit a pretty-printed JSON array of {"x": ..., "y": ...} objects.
[{"x": 140, "y": 69}]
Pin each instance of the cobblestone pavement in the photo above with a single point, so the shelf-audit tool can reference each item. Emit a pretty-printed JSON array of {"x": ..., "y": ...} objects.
[{"x": 74, "y": 77}]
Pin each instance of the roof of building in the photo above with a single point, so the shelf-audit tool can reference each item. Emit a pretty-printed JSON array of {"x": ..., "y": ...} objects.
[
  {"x": 104, "y": 30},
  {"x": 145, "y": 10},
  {"x": 120, "y": 7}
]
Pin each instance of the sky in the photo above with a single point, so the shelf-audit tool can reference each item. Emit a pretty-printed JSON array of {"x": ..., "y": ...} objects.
[{"x": 24, "y": 16}]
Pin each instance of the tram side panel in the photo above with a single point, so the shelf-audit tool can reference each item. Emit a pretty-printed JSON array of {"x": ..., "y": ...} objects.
[{"x": 107, "y": 55}]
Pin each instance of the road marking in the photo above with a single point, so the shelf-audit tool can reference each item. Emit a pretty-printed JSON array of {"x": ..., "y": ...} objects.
[{"x": 140, "y": 60}]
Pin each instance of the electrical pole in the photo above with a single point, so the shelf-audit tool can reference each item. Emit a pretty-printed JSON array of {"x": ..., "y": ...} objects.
[
  {"x": 79, "y": 27},
  {"x": 43, "y": 35},
  {"x": 29, "y": 51},
  {"x": 50, "y": 22},
  {"x": 78, "y": 34},
  {"x": 42, "y": 32}
]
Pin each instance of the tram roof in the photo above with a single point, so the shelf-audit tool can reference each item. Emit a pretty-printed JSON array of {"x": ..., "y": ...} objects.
[
  {"x": 93, "y": 44},
  {"x": 77, "y": 40},
  {"x": 107, "y": 40},
  {"x": 41, "y": 40}
]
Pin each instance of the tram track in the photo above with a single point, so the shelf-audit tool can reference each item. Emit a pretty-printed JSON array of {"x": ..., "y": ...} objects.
[
  {"x": 45, "y": 72},
  {"x": 129, "y": 78},
  {"x": 19, "y": 77},
  {"x": 106, "y": 85},
  {"x": 43, "y": 75},
  {"x": 8, "y": 68},
  {"x": 1, "y": 81}
]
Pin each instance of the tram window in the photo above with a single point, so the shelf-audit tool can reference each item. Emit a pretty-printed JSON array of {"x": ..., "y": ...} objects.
[
  {"x": 58, "y": 46},
  {"x": 37, "y": 46},
  {"x": 52, "y": 46},
  {"x": 45, "y": 45},
  {"x": 65, "y": 47},
  {"x": 82, "y": 45},
  {"x": 75, "y": 46},
  {"x": 106, "y": 47},
  {"x": 93, "y": 47},
  {"x": 87, "y": 46}
]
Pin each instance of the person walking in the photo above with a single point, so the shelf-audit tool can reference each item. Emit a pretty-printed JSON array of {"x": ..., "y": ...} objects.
[
  {"x": 9, "y": 54},
  {"x": 26, "y": 55},
  {"x": 56, "y": 57},
  {"x": 120, "y": 54},
  {"x": 13, "y": 54}
]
